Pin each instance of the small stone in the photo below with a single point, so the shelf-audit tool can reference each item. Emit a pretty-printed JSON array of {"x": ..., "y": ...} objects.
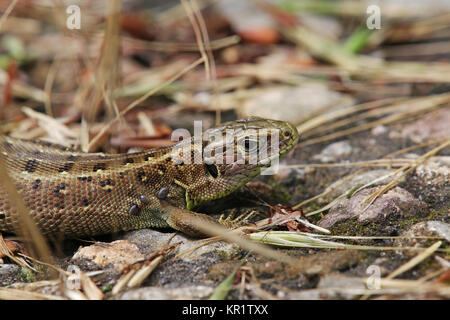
[
  {"x": 427, "y": 229},
  {"x": 432, "y": 126},
  {"x": 395, "y": 203},
  {"x": 7, "y": 270},
  {"x": 149, "y": 240},
  {"x": 379, "y": 130},
  {"x": 293, "y": 104},
  {"x": 334, "y": 151},
  {"x": 375, "y": 177},
  {"x": 117, "y": 255},
  {"x": 158, "y": 293}
]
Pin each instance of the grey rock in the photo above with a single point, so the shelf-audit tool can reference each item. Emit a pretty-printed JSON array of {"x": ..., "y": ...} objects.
[
  {"x": 293, "y": 104},
  {"x": 149, "y": 240},
  {"x": 334, "y": 151},
  {"x": 7, "y": 270},
  {"x": 425, "y": 228},
  {"x": 395, "y": 203},
  {"x": 158, "y": 293},
  {"x": 345, "y": 184}
]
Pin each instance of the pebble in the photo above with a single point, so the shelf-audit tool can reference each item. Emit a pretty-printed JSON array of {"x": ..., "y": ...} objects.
[
  {"x": 334, "y": 152},
  {"x": 148, "y": 240},
  {"x": 293, "y": 104},
  {"x": 342, "y": 185},
  {"x": 158, "y": 293},
  {"x": 395, "y": 203},
  {"x": 117, "y": 255},
  {"x": 428, "y": 229}
]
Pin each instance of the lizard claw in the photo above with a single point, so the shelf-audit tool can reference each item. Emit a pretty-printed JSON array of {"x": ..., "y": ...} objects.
[{"x": 230, "y": 221}]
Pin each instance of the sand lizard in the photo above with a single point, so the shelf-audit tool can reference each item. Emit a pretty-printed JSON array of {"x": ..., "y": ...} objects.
[{"x": 80, "y": 194}]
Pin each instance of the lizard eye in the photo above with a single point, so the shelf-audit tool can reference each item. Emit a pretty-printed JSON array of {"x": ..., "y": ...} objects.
[
  {"x": 286, "y": 133},
  {"x": 250, "y": 145},
  {"x": 212, "y": 170}
]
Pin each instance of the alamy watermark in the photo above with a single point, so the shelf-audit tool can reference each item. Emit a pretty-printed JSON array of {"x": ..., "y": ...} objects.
[
  {"x": 373, "y": 282},
  {"x": 73, "y": 20},
  {"x": 250, "y": 147},
  {"x": 373, "y": 21}
]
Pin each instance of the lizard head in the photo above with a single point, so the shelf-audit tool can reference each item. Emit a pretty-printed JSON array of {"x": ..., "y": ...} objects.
[{"x": 236, "y": 152}]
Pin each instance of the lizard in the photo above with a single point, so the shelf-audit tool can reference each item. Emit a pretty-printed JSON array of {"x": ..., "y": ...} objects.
[{"x": 85, "y": 194}]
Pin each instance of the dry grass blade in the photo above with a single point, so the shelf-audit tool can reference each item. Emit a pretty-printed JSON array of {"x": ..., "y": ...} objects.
[
  {"x": 412, "y": 263},
  {"x": 90, "y": 289},
  {"x": 365, "y": 66},
  {"x": 389, "y": 163},
  {"x": 103, "y": 131},
  {"x": 17, "y": 294},
  {"x": 177, "y": 47},
  {"x": 54, "y": 127},
  {"x": 311, "y": 126},
  {"x": 402, "y": 172},
  {"x": 409, "y": 108},
  {"x": 26, "y": 228},
  {"x": 311, "y": 240},
  {"x": 204, "y": 45},
  {"x": 139, "y": 277},
  {"x": 107, "y": 69},
  {"x": 415, "y": 261},
  {"x": 8, "y": 10},
  {"x": 345, "y": 179},
  {"x": 5, "y": 251}
]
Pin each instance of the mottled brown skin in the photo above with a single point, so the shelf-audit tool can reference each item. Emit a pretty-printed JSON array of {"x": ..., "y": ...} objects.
[{"x": 80, "y": 194}]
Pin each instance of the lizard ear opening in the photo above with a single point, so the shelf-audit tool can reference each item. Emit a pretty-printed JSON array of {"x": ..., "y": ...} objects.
[{"x": 212, "y": 170}]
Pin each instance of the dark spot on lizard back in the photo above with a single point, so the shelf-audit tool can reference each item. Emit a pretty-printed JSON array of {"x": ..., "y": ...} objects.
[
  {"x": 85, "y": 178},
  {"x": 85, "y": 202},
  {"x": 66, "y": 167},
  {"x": 144, "y": 199},
  {"x": 134, "y": 210},
  {"x": 128, "y": 160},
  {"x": 36, "y": 184},
  {"x": 99, "y": 166},
  {"x": 149, "y": 156},
  {"x": 163, "y": 193},
  {"x": 58, "y": 189},
  {"x": 107, "y": 182},
  {"x": 31, "y": 166},
  {"x": 71, "y": 157}
]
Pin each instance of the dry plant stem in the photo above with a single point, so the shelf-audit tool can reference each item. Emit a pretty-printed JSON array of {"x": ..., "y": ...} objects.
[
  {"x": 107, "y": 70},
  {"x": 103, "y": 131},
  {"x": 233, "y": 236},
  {"x": 423, "y": 105},
  {"x": 299, "y": 205},
  {"x": 7, "y": 12},
  {"x": 26, "y": 228},
  {"x": 389, "y": 163},
  {"x": 204, "y": 45},
  {"x": 198, "y": 35},
  {"x": 5, "y": 251},
  {"x": 314, "y": 126},
  {"x": 412, "y": 263},
  {"x": 17, "y": 294},
  {"x": 177, "y": 47},
  {"x": 400, "y": 173},
  {"x": 49, "y": 84}
]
